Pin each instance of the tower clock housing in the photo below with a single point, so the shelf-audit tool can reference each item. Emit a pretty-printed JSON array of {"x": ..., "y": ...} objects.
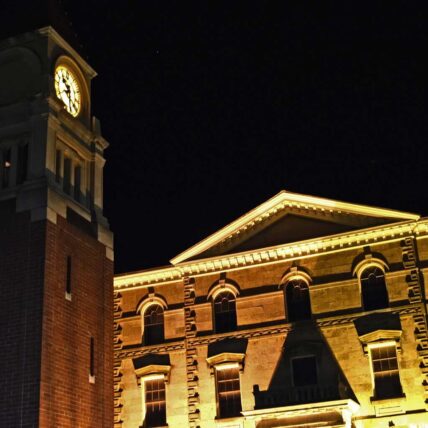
[{"x": 56, "y": 248}]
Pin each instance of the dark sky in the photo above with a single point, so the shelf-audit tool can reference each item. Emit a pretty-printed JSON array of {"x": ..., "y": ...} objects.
[{"x": 213, "y": 107}]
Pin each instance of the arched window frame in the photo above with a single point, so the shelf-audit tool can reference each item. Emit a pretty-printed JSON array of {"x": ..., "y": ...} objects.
[
  {"x": 369, "y": 263},
  {"x": 217, "y": 290},
  {"x": 295, "y": 274},
  {"x": 146, "y": 304}
]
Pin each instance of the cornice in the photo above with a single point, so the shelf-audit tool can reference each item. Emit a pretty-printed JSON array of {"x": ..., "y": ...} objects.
[
  {"x": 286, "y": 200},
  {"x": 265, "y": 256},
  {"x": 159, "y": 349}
]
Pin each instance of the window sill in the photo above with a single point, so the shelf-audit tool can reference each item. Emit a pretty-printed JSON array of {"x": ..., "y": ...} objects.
[{"x": 389, "y": 406}]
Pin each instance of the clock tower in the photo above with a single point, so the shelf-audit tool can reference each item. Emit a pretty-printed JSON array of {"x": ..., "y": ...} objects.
[{"x": 56, "y": 248}]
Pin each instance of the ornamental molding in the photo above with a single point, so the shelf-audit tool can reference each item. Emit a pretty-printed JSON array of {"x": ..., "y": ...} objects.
[
  {"x": 265, "y": 256},
  {"x": 139, "y": 352}
]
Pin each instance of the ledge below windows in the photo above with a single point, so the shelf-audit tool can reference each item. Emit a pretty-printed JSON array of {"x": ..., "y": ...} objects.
[{"x": 338, "y": 412}]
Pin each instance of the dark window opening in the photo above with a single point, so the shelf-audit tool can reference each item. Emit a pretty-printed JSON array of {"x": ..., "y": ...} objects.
[
  {"x": 77, "y": 182},
  {"x": 225, "y": 312},
  {"x": 58, "y": 166},
  {"x": 68, "y": 276},
  {"x": 92, "y": 357},
  {"x": 304, "y": 371},
  {"x": 7, "y": 164},
  {"x": 153, "y": 325},
  {"x": 21, "y": 174},
  {"x": 373, "y": 289},
  {"x": 298, "y": 300},
  {"x": 228, "y": 392},
  {"x": 67, "y": 175},
  {"x": 155, "y": 403},
  {"x": 385, "y": 371}
]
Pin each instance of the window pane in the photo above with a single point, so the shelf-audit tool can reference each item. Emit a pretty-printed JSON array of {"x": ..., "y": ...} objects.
[
  {"x": 153, "y": 325},
  {"x": 67, "y": 175},
  {"x": 304, "y": 371},
  {"x": 155, "y": 403},
  {"x": 225, "y": 312},
  {"x": 373, "y": 289},
  {"x": 298, "y": 301},
  {"x": 228, "y": 392}
]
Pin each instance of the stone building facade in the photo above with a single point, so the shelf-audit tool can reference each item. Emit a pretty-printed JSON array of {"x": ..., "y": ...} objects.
[
  {"x": 304, "y": 312},
  {"x": 56, "y": 249}
]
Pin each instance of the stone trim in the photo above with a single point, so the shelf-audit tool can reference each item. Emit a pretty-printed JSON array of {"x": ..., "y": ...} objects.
[
  {"x": 117, "y": 366},
  {"x": 282, "y": 253}
]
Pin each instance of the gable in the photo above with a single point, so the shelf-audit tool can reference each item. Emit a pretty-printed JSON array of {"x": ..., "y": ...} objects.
[{"x": 290, "y": 217}]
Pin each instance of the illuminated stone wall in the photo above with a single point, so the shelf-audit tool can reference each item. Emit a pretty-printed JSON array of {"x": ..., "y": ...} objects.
[{"x": 339, "y": 334}]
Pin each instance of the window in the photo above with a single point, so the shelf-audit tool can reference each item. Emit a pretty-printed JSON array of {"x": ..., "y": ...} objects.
[
  {"x": 92, "y": 360},
  {"x": 67, "y": 175},
  {"x": 373, "y": 289},
  {"x": 385, "y": 371},
  {"x": 68, "y": 279},
  {"x": 21, "y": 173},
  {"x": 7, "y": 164},
  {"x": 58, "y": 164},
  {"x": 155, "y": 402},
  {"x": 298, "y": 300},
  {"x": 77, "y": 182},
  {"x": 304, "y": 371},
  {"x": 225, "y": 312},
  {"x": 153, "y": 325},
  {"x": 228, "y": 392}
]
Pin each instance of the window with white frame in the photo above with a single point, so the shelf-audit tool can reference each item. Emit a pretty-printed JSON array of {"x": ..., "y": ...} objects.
[
  {"x": 228, "y": 390},
  {"x": 385, "y": 370},
  {"x": 155, "y": 402}
]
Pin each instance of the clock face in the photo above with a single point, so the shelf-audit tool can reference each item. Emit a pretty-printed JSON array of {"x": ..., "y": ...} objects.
[{"x": 67, "y": 90}]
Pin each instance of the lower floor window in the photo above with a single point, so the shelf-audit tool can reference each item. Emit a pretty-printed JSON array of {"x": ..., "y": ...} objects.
[
  {"x": 385, "y": 371},
  {"x": 155, "y": 402},
  {"x": 228, "y": 392}
]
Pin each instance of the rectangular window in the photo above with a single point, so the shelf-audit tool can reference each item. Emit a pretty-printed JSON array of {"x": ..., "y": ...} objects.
[
  {"x": 228, "y": 392},
  {"x": 385, "y": 371},
  {"x": 77, "y": 182},
  {"x": 21, "y": 174},
  {"x": 92, "y": 358},
  {"x": 155, "y": 402},
  {"x": 7, "y": 164},
  {"x": 67, "y": 175},
  {"x": 304, "y": 371},
  {"x": 58, "y": 160},
  {"x": 68, "y": 276}
]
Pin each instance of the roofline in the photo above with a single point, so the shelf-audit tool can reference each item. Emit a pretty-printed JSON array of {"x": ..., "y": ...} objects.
[{"x": 284, "y": 197}]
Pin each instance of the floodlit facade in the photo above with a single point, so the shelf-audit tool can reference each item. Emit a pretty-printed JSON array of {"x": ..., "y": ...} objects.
[{"x": 304, "y": 312}]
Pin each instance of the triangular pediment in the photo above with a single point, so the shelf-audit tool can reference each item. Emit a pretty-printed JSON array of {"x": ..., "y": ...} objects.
[{"x": 290, "y": 217}]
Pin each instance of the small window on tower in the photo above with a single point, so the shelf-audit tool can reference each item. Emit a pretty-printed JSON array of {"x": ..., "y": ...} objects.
[
  {"x": 7, "y": 164},
  {"x": 21, "y": 174},
  {"x": 68, "y": 279},
  {"x": 58, "y": 165},
  {"x": 77, "y": 182},
  {"x": 67, "y": 175}
]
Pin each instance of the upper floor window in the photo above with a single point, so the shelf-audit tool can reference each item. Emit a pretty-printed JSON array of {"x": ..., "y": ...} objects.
[
  {"x": 385, "y": 371},
  {"x": 298, "y": 300},
  {"x": 155, "y": 403},
  {"x": 225, "y": 312},
  {"x": 373, "y": 288},
  {"x": 153, "y": 325},
  {"x": 228, "y": 391},
  {"x": 304, "y": 371}
]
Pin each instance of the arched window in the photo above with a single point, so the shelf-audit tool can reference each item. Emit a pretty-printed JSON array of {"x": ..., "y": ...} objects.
[
  {"x": 153, "y": 325},
  {"x": 373, "y": 288},
  {"x": 225, "y": 312},
  {"x": 297, "y": 299}
]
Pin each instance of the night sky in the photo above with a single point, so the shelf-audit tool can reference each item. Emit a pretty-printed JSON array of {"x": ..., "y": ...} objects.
[{"x": 211, "y": 108}]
